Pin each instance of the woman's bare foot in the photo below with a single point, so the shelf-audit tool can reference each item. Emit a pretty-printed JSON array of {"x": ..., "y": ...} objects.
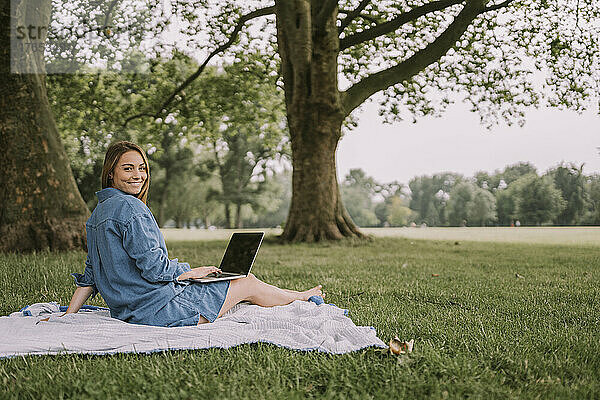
[{"x": 316, "y": 291}]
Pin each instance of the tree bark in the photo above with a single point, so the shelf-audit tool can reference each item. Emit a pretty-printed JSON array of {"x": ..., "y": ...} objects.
[
  {"x": 228, "y": 222},
  {"x": 40, "y": 205},
  {"x": 163, "y": 202},
  {"x": 238, "y": 216},
  {"x": 165, "y": 161},
  {"x": 315, "y": 114}
]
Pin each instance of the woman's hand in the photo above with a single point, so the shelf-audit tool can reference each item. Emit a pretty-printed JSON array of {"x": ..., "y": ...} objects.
[{"x": 199, "y": 272}]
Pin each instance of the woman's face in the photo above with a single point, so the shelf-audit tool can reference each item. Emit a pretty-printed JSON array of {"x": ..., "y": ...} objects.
[{"x": 129, "y": 174}]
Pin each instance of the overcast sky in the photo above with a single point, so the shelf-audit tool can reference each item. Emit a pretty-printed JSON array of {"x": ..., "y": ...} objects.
[{"x": 457, "y": 142}]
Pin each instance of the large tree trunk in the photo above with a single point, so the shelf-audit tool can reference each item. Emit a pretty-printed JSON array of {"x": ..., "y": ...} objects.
[
  {"x": 315, "y": 115},
  {"x": 316, "y": 212},
  {"x": 40, "y": 205}
]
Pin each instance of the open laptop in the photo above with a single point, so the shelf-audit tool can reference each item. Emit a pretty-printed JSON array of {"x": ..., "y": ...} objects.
[{"x": 238, "y": 258}]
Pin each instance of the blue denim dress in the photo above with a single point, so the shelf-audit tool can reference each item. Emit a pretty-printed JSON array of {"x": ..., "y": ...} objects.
[{"x": 128, "y": 264}]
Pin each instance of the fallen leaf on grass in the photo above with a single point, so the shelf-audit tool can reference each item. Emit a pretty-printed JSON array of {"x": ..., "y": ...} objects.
[{"x": 401, "y": 347}]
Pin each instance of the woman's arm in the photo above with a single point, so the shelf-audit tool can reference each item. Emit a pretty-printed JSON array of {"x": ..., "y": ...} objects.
[
  {"x": 82, "y": 293},
  {"x": 143, "y": 242}
]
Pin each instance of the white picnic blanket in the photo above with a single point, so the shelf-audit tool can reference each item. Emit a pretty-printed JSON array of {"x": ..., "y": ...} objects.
[{"x": 300, "y": 326}]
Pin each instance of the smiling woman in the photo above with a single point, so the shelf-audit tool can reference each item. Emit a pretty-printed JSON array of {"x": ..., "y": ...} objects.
[
  {"x": 130, "y": 173},
  {"x": 128, "y": 263},
  {"x": 126, "y": 168}
]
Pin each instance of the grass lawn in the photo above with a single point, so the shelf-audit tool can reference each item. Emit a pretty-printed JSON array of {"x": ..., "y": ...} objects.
[{"x": 480, "y": 331}]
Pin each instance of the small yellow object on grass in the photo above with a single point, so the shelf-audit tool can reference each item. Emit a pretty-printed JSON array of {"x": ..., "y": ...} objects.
[{"x": 398, "y": 346}]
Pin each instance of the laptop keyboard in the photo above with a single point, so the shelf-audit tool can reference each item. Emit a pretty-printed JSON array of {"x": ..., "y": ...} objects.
[{"x": 221, "y": 274}]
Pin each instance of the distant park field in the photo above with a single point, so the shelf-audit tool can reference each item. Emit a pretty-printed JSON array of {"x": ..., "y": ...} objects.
[{"x": 568, "y": 235}]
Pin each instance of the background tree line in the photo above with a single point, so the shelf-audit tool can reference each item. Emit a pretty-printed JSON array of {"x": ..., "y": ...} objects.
[{"x": 563, "y": 195}]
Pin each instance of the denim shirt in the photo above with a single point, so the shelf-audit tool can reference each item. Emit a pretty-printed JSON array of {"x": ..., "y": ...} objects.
[{"x": 127, "y": 259}]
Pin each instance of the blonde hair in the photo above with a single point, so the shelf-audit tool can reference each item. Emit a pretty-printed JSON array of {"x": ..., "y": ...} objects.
[{"x": 113, "y": 154}]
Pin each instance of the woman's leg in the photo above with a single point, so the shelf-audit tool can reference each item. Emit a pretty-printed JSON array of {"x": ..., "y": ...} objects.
[{"x": 258, "y": 292}]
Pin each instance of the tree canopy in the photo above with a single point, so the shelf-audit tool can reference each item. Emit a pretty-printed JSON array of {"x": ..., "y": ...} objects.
[
  {"x": 500, "y": 56},
  {"x": 422, "y": 56},
  {"x": 229, "y": 124}
]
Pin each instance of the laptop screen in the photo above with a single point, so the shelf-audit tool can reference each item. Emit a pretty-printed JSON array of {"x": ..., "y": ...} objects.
[{"x": 241, "y": 251}]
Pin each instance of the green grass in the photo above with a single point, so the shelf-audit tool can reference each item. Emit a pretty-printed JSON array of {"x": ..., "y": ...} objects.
[{"x": 479, "y": 330}]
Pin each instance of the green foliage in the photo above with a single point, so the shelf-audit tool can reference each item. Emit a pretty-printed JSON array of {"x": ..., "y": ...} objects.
[
  {"x": 492, "y": 66},
  {"x": 569, "y": 179},
  {"x": 399, "y": 214},
  {"x": 515, "y": 171},
  {"x": 591, "y": 215},
  {"x": 499, "y": 180},
  {"x": 563, "y": 196},
  {"x": 363, "y": 197},
  {"x": 471, "y": 205},
  {"x": 190, "y": 202},
  {"x": 359, "y": 206},
  {"x": 537, "y": 200},
  {"x": 506, "y": 207},
  {"x": 113, "y": 36},
  {"x": 429, "y": 195},
  {"x": 246, "y": 132},
  {"x": 460, "y": 202},
  {"x": 497, "y": 183},
  {"x": 87, "y": 122},
  {"x": 274, "y": 202},
  {"x": 482, "y": 210},
  {"x": 358, "y": 178},
  {"x": 229, "y": 123},
  {"x": 357, "y": 192}
]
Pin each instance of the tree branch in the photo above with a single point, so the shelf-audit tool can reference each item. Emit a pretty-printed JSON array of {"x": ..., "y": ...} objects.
[
  {"x": 353, "y": 14},
  {"x": 136, "y": 116},
  {"x": 243, "y": 19},
  {"x": 370, "y": 18},
  {"x": 497, "y": 6},
  {"x": 360, "y": 91},
  {"x": 108, "y": 15},
  {"x": 326, "y": 11},
  {"x": 391, "y": 26}
]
